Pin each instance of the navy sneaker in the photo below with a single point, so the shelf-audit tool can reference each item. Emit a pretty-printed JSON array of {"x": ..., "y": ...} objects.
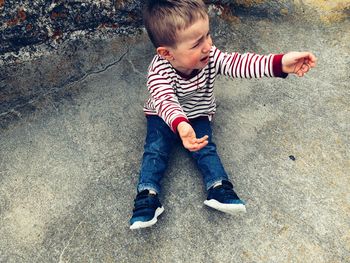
[
  {"x": 224, "y": 199},
  {"x": 147, "y": 209}
]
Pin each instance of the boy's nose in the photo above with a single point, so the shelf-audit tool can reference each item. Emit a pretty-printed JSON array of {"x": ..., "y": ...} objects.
[{"x": 207, "y": 46}]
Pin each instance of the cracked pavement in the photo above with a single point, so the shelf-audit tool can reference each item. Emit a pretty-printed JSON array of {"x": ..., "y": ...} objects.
[{"x": 70, "y": 156}]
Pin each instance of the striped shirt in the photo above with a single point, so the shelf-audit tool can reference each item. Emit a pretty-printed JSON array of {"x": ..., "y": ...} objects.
[{"x": 175, "y": 98}]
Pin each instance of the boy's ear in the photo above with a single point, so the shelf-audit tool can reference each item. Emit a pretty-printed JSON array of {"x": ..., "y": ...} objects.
[{"x": 165, "y": 53}]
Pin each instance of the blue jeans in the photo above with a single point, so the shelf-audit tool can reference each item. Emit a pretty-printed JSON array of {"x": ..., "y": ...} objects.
[{"x": 160, "y": 140}]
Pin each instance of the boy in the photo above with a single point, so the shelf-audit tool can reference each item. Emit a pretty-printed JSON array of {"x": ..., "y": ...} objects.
[{"x": 181, "y": 104}]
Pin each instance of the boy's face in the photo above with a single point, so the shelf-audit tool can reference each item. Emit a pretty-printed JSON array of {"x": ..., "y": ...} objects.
[{"x": 192, "y": 49}]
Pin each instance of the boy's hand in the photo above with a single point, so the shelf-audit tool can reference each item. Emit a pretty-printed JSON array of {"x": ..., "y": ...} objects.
[
  {"x": 189, "y": 139},
  {"x": 298, "y": 62}
]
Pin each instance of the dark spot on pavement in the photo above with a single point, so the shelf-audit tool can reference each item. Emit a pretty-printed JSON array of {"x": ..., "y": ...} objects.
[{"x": 292, "y": 157}]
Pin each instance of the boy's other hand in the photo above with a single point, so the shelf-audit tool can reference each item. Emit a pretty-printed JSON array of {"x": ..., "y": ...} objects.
[
  {"x": 298, "y": 62},
  {"x": 189, "y": 139}
]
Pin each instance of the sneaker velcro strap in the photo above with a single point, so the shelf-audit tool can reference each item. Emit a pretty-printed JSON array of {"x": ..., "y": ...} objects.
[{"x": 146, "y": 202}]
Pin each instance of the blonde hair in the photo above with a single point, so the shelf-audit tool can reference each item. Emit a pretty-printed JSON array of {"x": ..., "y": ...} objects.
[{"x": 163, "y": 18}]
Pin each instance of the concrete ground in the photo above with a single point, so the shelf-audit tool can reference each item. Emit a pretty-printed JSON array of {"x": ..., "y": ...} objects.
[{"x": 70, "y": 166}]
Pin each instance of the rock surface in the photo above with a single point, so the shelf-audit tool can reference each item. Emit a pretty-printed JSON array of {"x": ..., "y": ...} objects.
[{"x": 26, "y": 23}]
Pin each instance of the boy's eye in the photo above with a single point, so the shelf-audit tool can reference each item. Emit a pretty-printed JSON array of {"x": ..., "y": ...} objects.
[
  {"x": 200, "y": 41},
  {"x": 196, "y": 45}
]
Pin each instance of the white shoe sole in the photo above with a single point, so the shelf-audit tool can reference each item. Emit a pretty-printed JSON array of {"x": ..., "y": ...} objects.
[
  {"x": 140, "y": 224},
  {"x": 232, "y": 209}
]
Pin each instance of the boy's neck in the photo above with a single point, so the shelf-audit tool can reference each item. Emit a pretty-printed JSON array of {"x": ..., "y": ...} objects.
[
  {"x": 193, "y": 73},
  {"x": 184, "y": 73}
]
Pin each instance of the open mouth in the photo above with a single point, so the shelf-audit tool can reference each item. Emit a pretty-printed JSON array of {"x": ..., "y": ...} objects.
[{"x": 205, "y": 59}]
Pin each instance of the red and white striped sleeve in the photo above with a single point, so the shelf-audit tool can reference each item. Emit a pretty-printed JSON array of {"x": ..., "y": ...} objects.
[
  {"x": 248, "y": 65},
  {"x": 165, "y": 100}
]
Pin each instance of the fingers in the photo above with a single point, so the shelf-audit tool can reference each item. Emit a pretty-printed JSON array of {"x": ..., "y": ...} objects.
[
  {"x": 195, "y": 144},
  {"x": 310, "y": 62},
  {"x": 298, "y": 62},
  {"x": 204, "y": 138},
  {"x": 306, "y": 55},
  {"x": 300, "y": 73},
  {"x": 305, "y": 67},
  {"x": 312, "y": 59},
  {"x": 309, "y": 59}
]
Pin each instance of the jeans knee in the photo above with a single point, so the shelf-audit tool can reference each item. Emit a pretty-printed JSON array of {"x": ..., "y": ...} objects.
[
  {"x": 209, "y": 149},
  {"x": 158, "y": 147}
]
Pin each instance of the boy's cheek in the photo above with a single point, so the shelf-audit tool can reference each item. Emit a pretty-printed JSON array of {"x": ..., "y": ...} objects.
[
  {"x": 190, "y": 61},
  {"x": 195, "y": 59}
]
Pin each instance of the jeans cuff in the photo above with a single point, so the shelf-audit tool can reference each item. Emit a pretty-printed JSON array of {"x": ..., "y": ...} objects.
[
  {"x": 211, "y": 183},
  {"x": 142, "y": 187}
]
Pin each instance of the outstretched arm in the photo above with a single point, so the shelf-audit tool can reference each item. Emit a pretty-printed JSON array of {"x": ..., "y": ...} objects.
[
  {"x": 189, "y": 139},
  {"x": 298, "y": 63}
]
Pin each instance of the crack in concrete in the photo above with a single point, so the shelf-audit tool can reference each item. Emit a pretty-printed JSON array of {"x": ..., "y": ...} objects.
[
  {"x": 68, "y": 85},
  {"x": 99, "y": 71},
  {"x": 68, "y": 243},
  {"x": 135, "y": 69}
]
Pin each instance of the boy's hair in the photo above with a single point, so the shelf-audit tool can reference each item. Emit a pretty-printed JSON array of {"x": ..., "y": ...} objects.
[{"x": 163, "y": 18}]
